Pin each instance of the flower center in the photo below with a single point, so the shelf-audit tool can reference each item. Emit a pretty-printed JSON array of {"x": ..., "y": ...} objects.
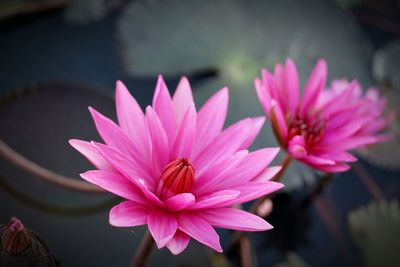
[
  {"x": 311, "y": 128},
  {"x": 177, "y": 178}
]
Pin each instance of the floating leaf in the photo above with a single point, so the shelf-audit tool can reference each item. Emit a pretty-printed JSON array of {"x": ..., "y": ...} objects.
[{"x": 376, "y": 230}]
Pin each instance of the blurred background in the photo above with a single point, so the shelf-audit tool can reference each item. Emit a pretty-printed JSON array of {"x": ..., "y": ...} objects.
[{"x": 59, "y": 56}]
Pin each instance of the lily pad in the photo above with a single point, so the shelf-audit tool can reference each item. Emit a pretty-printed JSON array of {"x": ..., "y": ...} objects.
[
  {"x": 237, "y": 38},
  {"x": 376, "y": 230}
]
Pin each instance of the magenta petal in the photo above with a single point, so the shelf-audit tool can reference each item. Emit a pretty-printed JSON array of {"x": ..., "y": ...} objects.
[
  {"x": 314, "y": 160},
  {"x": 338, "y": 167},
  {"x": 178, "y": 243},
  {"x": 290, "y": 90},
  {"x": 252, "y": 165},
  {"x": 228, "y": 142},
  {"x": 217, "y": 199},
  {"x": 162, "y": 105},
  {"x": 235, "y": 219},
  {"x": 180, "y": 201},
  {"x": 263, "y": 95},
  {"x": 206, "y": 181},
  {"x": 200, "y": 230},
  {"x": 159, "y": 142},
  {"x": 211, "y": 119},
  {"x": 92, "y": 154},
  {"x": 314, "y": 86},
  {"x": 128, "y": 214},
  {"x": 268, "y": 174},
  {"x": 277, "y": 114},
  {"x": 297, "y": 147},
  {"x": 131, "y": 119},
  {"x": 116, "y": 184},
  {"x": 253, "y": 131},
  {"x": 253, "y": 190},
  {"x": 182, "y": 99},
  {"x": 162, "y": 227},
  {"x": 182, "y": 147}
]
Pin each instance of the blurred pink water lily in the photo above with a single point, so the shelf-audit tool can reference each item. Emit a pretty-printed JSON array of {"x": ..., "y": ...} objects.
[
  {"x": 179, "y": 171},
  {"x": 319, "y": 127}
]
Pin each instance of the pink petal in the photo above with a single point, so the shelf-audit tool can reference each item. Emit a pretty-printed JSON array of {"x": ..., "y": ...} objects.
[
  {"x": 228, "y": 142},
  {"x": 182, "y": 147},
  {"x": 268, "y": 174},
  {"x": 339, "y": 155},
  {"x": 263, "y": 94},
  {"x": 116, "y": 138},
  {"x": 338, "y": 167},
  {"x": 278, "y": 122},
  {"x": 235, "y": 219},
  {"x": 178, "y": 243},
  {"x": 297, "y": 147},
  {"x": 314, "y": 86},
  {"x": 211, "y": 119},
  {"x": 253, "y": 190},
  {"x": 131, "y": 119},
  {"x": 271, "y": 85},
  {"x": 254, "y": 129},
  {"x": 127, "y": 169},
  {"x": 116, "y": 184},
  {"x": 182, "y": 99},
  {"x": 200, "y": 230},
  {"x": 352, "y": 143},
  {"x": 92, "y": 154},
  {"x": 162, "y": 227},
  {"x": 128, "y": 214},
  {"x": 213, "y": 175},
  {"x": 159, "y": 142},
  {"x": 314, "y": 160},
  {"x": 290, "y": 90},
  {"x": 180, "y": 201},
  {"x": 252, "y": 165},
  {"x": 162, "y": 105},
  {"x": 217, "y": 199}
]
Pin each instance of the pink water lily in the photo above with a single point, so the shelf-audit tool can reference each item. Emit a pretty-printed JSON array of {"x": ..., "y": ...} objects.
[
  {"x": 179, "y": 171},
  {"x": 319, "y": 127}
]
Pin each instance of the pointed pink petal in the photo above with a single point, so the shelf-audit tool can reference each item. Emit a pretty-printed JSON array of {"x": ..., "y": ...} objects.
[
  {"x": 352, "y": 143},
  {"x": 217, "y": 173},
  {"x": 127, "y": 169},
  {"x": 180, "y": 201},
  {"x": 217, "y": 199},
  {"x": 182, "y": 99},
  {"x": 339, "y": 155},
  {"x": 271, "y": 85},
  {"x": 128, "y": 214},
  {"x": 162, "y": 105},
  {"x": 235, "y": 219},
  {"x": 314, "y": 86},
  {"x": 116, "y": 184},
  {"x": 252, "y": 165},
  {"x": 200, "y": 230},
  {"x": 123, "y": 163},
  {"x": 159, "y": 142},
  {"x": 254, "y": 129},
  {"x": 268, "y": 174},
  {"x": 253, "y": 190},
  {"x": 162, "y": 227},
  {"x": 92, "y": 154},
  {"x": 228, "y": 142},
  {"x": 131, "y": 119},
  {"x": 211, "y": 119},
  {"x": 278, "y": 122},
  {"x": 178, "y": 243},
  {"x": 263, "y": 94},
  {"x": 182, "y": 147},
  {"x": 116, "y": 138},
  {"x": 290, "y": 90}
]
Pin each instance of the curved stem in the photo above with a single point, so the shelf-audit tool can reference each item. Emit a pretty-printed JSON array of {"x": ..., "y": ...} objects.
[
  {"x": 46, "y": 175},
  {"x": 144, "y": 251}
]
